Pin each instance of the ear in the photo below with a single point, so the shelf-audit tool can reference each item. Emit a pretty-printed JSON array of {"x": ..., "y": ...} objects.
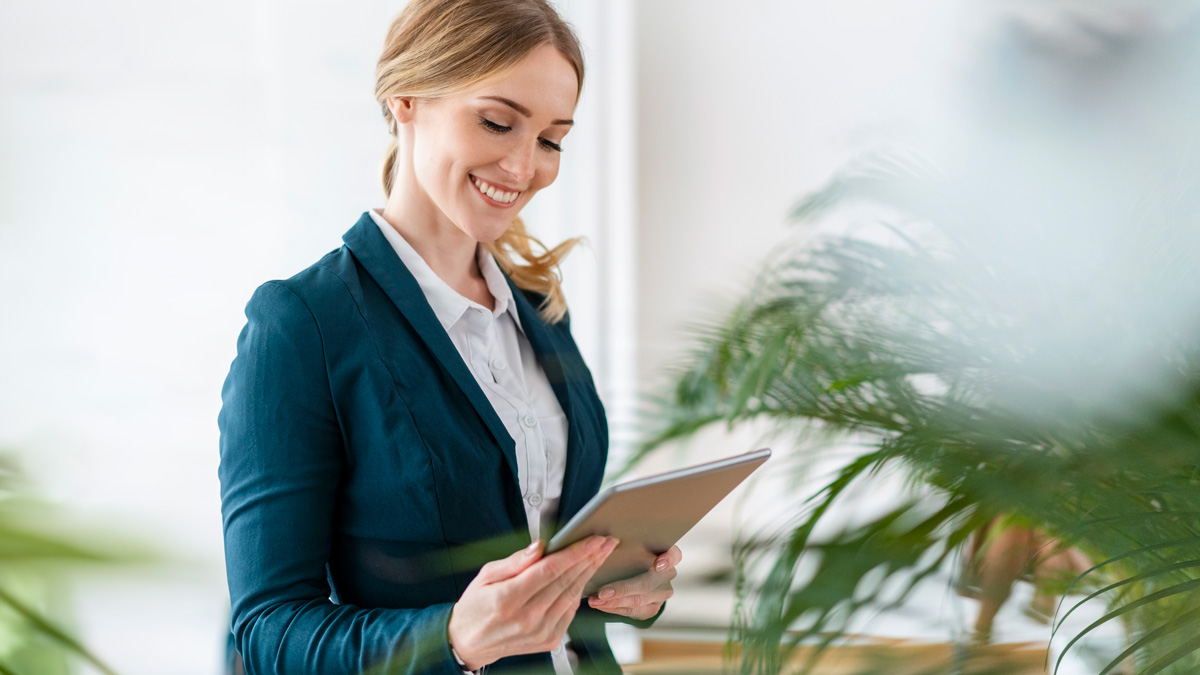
[{"x": 402, "y": 108}]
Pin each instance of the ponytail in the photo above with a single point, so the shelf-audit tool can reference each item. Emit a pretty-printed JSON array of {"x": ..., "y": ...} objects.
[
  {"x": 539, "y": 273},
  {"x": 389, "y": 164}
]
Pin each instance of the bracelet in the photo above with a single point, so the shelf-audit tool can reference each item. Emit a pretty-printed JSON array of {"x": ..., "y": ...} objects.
[{"x": 461, "y": 664}]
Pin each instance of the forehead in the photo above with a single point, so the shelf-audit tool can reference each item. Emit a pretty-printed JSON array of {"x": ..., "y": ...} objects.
[{"x": 544, "y": 82}]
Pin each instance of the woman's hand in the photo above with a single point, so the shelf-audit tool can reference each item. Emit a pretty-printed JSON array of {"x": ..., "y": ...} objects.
[
  {"x": 642, "y": 596},
  {"x": 523, "y": 603}
]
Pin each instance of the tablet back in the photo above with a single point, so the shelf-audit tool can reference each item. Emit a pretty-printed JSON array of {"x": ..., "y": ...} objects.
[{"x": 649, "y": 515}]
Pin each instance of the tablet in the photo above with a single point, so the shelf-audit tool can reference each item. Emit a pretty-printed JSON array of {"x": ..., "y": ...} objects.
[{"x": 649, "y": 515}]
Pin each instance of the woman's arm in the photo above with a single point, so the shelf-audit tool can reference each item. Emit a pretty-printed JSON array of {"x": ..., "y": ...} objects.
[{"x": 281, "y": 459}]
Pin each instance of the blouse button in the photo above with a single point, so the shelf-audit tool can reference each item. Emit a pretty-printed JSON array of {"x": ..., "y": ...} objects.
[
  {"x": 535, "y": 499},
  {"x": 498, "y": 364},
  {"x": 529, "y": 421}
]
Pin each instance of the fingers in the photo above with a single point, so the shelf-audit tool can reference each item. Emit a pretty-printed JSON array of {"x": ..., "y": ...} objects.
[
  {"x": 558, "y": 601},
  {"x": 567, "y": 582},
  {"x": 566, "y": 604},
  {"x": 642, "y": 584},
  {"x": 644, "y": 611},
  {"x": 642, "y": 606},
  {"x": 670, "y": 559},
  {"x": 654, "y": 597},
  {"x": 552, "y": 568},
  {"x": 513, "y": 565},
  {"x": 524, "y": 603},
  {"x": 640, "y": 596}
]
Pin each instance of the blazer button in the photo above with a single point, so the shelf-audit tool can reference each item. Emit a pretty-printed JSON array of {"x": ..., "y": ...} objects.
[{"x": 535, "y": 499}]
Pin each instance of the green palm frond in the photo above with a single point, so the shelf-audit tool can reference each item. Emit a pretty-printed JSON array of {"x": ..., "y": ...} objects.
[{"x": 1000, "y": 386}]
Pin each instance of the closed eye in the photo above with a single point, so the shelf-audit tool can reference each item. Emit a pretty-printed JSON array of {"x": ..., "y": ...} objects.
[
  {"x": 493, "y": 127},
  {"x": 501, "y": 129}
]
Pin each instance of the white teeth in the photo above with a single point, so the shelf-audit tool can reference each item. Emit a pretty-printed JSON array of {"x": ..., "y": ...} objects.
[{"x": 499, "y": 195}]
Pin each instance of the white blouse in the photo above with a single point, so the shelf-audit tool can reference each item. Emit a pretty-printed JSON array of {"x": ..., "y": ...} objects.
[{"x": 497, "y": 352}]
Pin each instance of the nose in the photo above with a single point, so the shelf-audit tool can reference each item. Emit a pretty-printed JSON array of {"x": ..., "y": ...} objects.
[{"x": 519, "y": 162}]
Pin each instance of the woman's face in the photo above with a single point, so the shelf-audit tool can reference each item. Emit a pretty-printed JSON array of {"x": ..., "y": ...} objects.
[{"x": 480, "y": 155}]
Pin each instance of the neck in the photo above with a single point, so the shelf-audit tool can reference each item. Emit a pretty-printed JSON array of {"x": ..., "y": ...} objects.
[{"x": 448, "y": 251}]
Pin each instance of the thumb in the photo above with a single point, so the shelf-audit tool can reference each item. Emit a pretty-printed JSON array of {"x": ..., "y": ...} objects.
[{"x": 507, "y": 568}]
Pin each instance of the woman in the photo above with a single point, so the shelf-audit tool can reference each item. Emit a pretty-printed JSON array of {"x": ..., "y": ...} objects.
[{"x": 413, "y": 406}]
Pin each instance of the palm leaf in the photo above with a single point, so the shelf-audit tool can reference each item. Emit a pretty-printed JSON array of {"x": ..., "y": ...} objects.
[{"x": 906, "y": 345}]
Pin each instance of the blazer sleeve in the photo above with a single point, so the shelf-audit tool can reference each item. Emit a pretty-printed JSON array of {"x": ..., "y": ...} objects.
[{"x": 281, "y": 459}]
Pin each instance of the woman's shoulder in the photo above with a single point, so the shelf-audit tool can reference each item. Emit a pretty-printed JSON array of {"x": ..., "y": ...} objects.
[{"x": 331, "y": 284}]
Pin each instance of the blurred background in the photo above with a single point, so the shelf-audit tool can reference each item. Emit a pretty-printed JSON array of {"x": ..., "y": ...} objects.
[{"x": 160, "y": 160}]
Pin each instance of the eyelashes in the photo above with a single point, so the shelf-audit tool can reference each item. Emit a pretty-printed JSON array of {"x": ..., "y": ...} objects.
[
  {"x": 493, "y": 127},
  {"x": 501, "y": 129}
]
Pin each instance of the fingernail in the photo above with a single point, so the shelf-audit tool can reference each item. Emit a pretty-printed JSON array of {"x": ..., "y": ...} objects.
[
  {"x": 613, "y": 543},
  {"x": 606, "y": 593},
  {"x": 660, "y": 565},
  {"x": 532, "y": 548},
  {"x": 597, "y": 602},
  {"x": 597, "y": 543}
]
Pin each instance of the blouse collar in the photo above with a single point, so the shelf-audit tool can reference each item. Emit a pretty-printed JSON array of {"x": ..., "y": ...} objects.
[{"x": 448, "y": 304}]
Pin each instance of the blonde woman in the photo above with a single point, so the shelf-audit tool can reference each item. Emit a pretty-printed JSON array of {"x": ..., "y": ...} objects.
[{"x": 408, "y": 417}]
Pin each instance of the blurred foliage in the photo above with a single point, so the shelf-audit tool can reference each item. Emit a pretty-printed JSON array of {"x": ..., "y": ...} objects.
[
  {"x": 37, "y": 548},
  {"x": 1000, "y": 386}
]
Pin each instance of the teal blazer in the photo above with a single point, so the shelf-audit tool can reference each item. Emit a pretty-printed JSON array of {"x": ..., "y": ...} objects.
[{"x": 365, "y": 477}]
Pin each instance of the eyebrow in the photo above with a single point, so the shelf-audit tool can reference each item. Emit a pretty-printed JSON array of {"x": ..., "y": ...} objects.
[{"x": 522, "y": 109}]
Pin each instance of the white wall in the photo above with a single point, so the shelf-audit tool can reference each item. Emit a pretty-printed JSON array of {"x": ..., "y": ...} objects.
[{"x": 743, "y": 108}]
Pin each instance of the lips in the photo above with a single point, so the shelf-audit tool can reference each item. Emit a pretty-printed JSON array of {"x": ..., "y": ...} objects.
[{"x": 498, "y": 194}]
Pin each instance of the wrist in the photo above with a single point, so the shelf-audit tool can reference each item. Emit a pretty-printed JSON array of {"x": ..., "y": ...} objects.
[
  {"x": 460, "y": 646},
  {"x": 462, "y": 665}
]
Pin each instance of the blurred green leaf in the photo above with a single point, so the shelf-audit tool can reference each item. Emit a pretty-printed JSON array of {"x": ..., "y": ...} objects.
[{"x": 37, "y": 544}]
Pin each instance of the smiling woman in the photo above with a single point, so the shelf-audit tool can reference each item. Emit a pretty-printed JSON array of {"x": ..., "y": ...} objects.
[
  {"x": 460, "y": 47},
  {"x": 408, "y": 418},
  {"x": 472, "y": 159}
]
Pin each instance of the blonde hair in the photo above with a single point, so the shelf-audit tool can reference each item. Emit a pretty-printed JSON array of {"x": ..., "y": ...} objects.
[{"x": 440, "y": 47}]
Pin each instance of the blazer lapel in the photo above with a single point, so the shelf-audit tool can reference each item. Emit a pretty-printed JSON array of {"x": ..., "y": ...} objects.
[{"x": 375, "y": 254}]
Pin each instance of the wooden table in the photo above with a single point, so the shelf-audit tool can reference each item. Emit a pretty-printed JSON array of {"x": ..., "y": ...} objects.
[{"x": 893, "y": 657}]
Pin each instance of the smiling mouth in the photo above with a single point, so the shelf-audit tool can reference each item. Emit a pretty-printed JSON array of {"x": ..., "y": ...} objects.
[{"x": 502, "y": 197}]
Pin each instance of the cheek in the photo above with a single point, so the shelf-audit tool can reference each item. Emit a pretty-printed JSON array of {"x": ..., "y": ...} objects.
[
  {"x": 437, "y": 154},
  {"x": 548, "y": 170},
  {"x": 426, "y": 165}
]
